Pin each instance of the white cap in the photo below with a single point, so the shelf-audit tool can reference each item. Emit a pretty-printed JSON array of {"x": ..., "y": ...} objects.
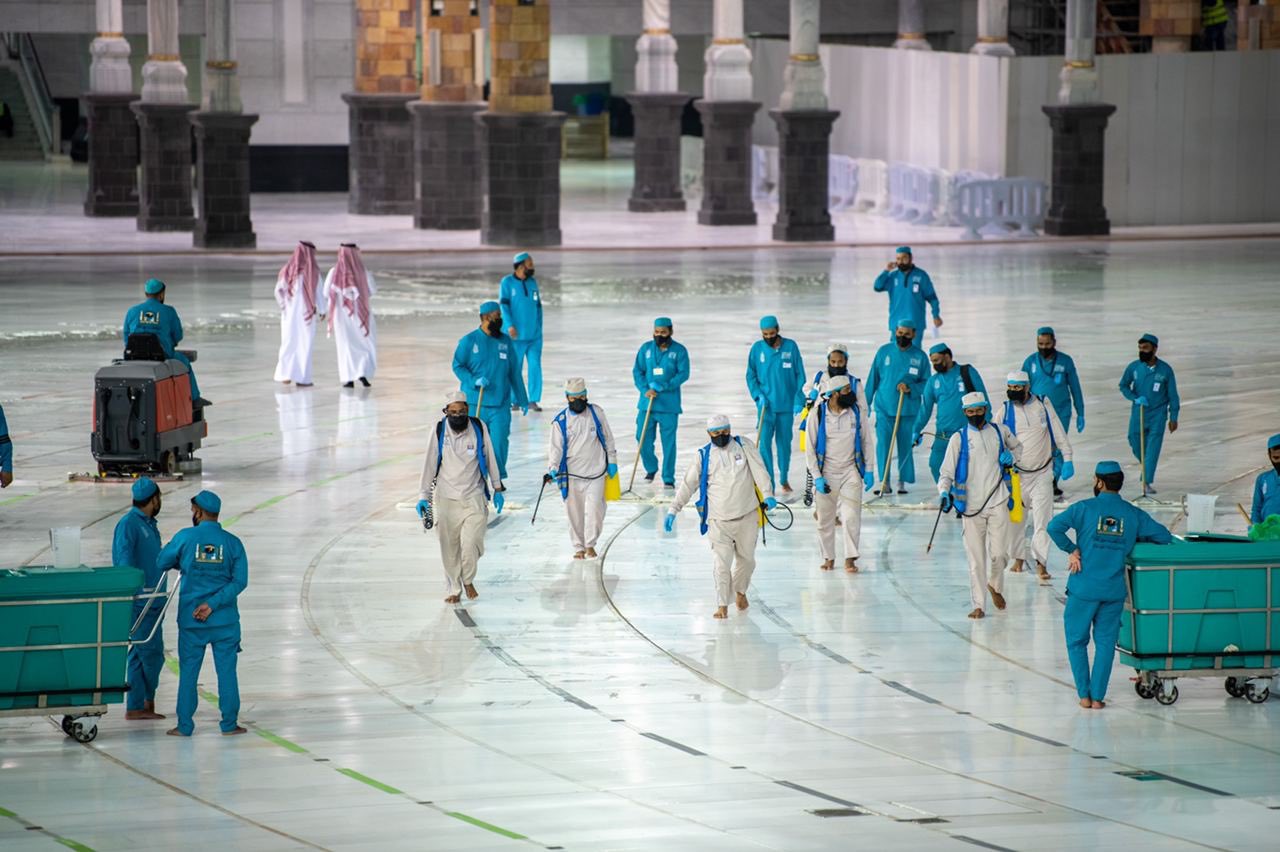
[
  {"x": 717, "y": 421},
  {"x": 832, "y": 384},
  {"x": 976, "y": 398},
  {"x": 575, "y": 386},
  {"x": 454, "y": 396},
  {"x": 842, "y": 348},
  {"x": 1018, "y": 377}
]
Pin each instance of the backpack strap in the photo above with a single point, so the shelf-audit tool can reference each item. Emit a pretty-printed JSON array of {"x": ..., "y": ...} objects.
[{"x": 966, "y": 376}]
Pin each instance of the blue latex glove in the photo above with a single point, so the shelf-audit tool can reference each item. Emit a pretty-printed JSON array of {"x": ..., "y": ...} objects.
[
  {"x": 552, "y": 473},
  {"x": 797, "y": 410},
  {"x": 1079, "y": 422},
  {"x": 482, "y": 382},
  {"x": 770, "y": 504},
  {"x": 1142, "y": 400},
  {"x": 655, "y": 387},
  {"x": 868, "y": 481},
  {"x": 915, "y": 439},
  {"x": 1006, "y": 458},
  {"x": 423, "y": 508},
  {"x": 813, "y": 396},
  {"x": 611, "y": 471},
  {"x": 669, "y": 522},
  {"x": 946, "y": 502},
  {"x": 499, "y": 501},
  {"x": 1068, "y": 471},
  {"x": 821, "y": 484}
]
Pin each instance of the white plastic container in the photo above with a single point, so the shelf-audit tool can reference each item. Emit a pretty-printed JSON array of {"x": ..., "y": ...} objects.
[
  {"x": 1200, "y": 508},
  {"x": 65, "y": 542}
]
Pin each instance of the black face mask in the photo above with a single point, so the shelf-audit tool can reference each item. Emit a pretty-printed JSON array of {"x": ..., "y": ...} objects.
[
  {"x": 458, "y": 422},
  {"x": 1097, "y": 490},
  {"x": 904, "y": 342},
  {"x": 577, "y": 406},
  {"x": 774, "y": 342},
  {"x": 1276, "y": 465},
  {"x": 663, "y": 340},
  {"x": 846, "y": 400},
  {"x": 528, "y": 273},
  {"x": 1016, "y": 396},
  {"x": 494, "y": 328},
  {"x": 903, "y": 267},
  {"x": 837, "y": 371},
  {"x": 1146, "y": 357},
  {"x": 977, "y": 419},
  {"x": 1048, "y": 351},
  {"x": 195, "y": 520},
  {"x": 721, "y": 440}
]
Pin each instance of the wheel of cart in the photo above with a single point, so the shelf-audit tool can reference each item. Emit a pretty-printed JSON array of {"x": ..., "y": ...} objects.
[{"x": 81, "y": 731}]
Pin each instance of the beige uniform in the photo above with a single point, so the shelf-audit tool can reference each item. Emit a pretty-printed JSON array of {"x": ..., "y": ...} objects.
[
  {"x": 587, "y": 461},
  {"x": 985, "y": 529},
  {"x": 736, "y": 476},
  {"x": 1033, "y": 421},
  {"x": 457, "y": 499},
  {"x": 842, "y": 475}
]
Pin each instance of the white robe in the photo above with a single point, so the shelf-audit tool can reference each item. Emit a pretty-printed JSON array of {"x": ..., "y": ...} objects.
[
  {"x": 357, "y": 352},
  {"x": 296, "y": 332}
]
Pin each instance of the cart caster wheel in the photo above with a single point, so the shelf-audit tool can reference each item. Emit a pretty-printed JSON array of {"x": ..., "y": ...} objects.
[
  {"x": 67, "y": 722},
  {"x": 1255, "y": 694},
  {"x": 82, "y": 734},
  {"x": 1144, "y": 690},
  {"x": 1167, "y": 698},
  {"x": 169, "y": 463},
  {"x": 1235, "y": 688}
]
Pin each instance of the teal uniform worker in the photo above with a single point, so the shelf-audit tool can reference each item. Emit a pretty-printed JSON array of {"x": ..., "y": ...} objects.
[
  {"x": 775, "y": 380},
  {"x": 1055, "y": 380},
  {"x": 661, "y": 367},
  {"x": 153, "y": 316},
  {"x": 909, "y": 288},
  {"x": 136, "y": 543},
  {"x": 1106, "y": 527},
  {"x": 486, "y": 359},
  {"x": 1266, "y": 489},
  {"x": 1150, "y": 385},
  {"x": 522, "y": 319},
  {"x": 215, "y": 571},
  {"x": 950, "y": 382},
  {"x": 6, "y": 452},
  {"x": 899, "y": 370}
]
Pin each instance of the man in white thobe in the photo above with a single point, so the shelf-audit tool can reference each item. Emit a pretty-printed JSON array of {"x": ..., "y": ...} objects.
[
  {"x": 971, "y": 480},
  {"x": 348, "y": 288},
  {"x": 458, "y": 475},
  {"x": 299, "y": 293},
  {"x": 727, "y": 479},
  {"x": 580, "y": 455},
  {"x": 838, "y": 445}
]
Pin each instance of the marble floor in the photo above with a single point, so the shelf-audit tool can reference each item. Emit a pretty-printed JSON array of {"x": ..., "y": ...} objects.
[{"x": 597, "y": 705}]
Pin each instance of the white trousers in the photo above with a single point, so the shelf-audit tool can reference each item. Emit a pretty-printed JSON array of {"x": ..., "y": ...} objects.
[
  {"x": 585, "y": 508},
  {"x": 733, "y": 548},
  {"x": 985, "y": 538},
  {"x": 460, "y": 526},
  {"x": 846, "y": 495},
  {"x": 1037, "y": 503}
]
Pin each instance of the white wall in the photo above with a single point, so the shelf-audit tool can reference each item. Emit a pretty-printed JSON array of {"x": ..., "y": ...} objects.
[{"x": 581, "y": 59}]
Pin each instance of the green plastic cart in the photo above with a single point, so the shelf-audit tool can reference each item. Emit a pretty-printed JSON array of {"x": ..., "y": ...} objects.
[{"x": 1203, "y": 606}]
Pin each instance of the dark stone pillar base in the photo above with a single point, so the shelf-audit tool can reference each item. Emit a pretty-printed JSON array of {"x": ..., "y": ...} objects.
[
  {"x": 726, "y": 162},
  {"x": 657, "y": 182},
  {"x": 446, "y": 165},
  {"x": 381, "y": 154},
  {"x": 113, "y": 156},
  {"x": 520, "y": 178},
  {"x": 164, "y": 189},
  {"x": 1075, "y": 195},
  {"x": 222, "y": 188},
  {"x": 804, "y": 143}
]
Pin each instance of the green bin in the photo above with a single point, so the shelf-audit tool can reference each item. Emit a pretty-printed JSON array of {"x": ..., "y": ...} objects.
[{"x": 91, "y": 608}]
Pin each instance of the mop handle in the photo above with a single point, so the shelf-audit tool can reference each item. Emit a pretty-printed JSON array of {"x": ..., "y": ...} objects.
[
  {"x": 643, "y": 430},
  {"x": 893, "y": 437},
  {"x": 1142, "y": 446}
]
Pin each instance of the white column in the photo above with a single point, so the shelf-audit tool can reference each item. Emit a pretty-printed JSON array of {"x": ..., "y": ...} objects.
[
  {"x": 109, "y": 71},
  {"x": 804, "y": 83},
  {"x": 221, "y": 83},
  {"x": 164, "y": 77},
  {"x": 1079, "y": 76},
  {"x": 728, "y": 76},
  {"x": 993, "y": 29},
  {"x": 911, "y": 26},
  {"x": 656, "y": 50}
]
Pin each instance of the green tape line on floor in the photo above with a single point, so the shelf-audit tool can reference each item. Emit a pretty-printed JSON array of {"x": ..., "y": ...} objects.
[
  {"x": 280, "y": 741},
  {"x": 16, "y": 499},
  {"x": 71, "y": 844},
  {"x": 479, "y": 823},
  {"x": 377, "y": 785}
]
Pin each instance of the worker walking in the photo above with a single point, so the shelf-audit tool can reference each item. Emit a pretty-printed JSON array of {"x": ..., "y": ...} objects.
[
  {"x": 895, "y": 385},
  {"x": 1106, "y": 528},
  {"x": 522, "y": 318},
  {"x": 728, "y": 479},
  {"x": 909, "y": 288},
  {"x": 215, "y": 571},
  {"x": 660, "y": 368},
  {"x": 300, "y": 295},
  {"x": 153, "y": 316},
  {"x": 136, "y": 544},
  {"x": 838, "y": 448},
  {"x": 1043, "y": 438},
  {"x": 974, "y": 481},
  {"x": 459, "y": 476},
  {"x": 951, "y": 382},
  {"x": 489, "y": 374},
  {"x": 349, "y": 288},
  {"x": 837, "y": 365},
  {"x": 1151, "y": 386},
  {"x": 775, "y": 380},
  {"x": 1054, "y": 379},
  {"x": 6, "y": 452},
  {"x": 1266, "y": 488},
  {"x": 581, "y": 454}
]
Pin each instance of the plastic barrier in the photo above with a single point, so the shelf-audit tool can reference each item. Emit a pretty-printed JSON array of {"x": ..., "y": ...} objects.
[
  {"x": 997, "y": 205},
  {"x": 946, "y": 212},
  {"x": 873, "y": 186},
  {"x": 764, "y": 173},
  {"x": 842, "y": 182},
  {"x": 842, "y": 178},
  {"x": 916, "y": 194}
]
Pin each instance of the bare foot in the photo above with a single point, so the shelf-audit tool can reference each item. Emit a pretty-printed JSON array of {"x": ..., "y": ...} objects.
[
  {"x": 996, "y": 598},
  {"x": 977, "y": 613},
  {"x": 285, "y": 381},
  {"x": 1086, "y": 703},
  {"x": 235, "y": 732},
  {"x": 139, "y": 715},
  {"x": 786, "y": 488},
  {"x": 591, "y": 553},
  {"x": 851, "y": 566},
  {"x": 1017, "y": 567},
  {"x": 828, "y": 565},
  {"x": 1098, "y": 705},
  {"x": 721, "y": 612},
  {"x": 742, "y": 601},
  {"x": 1043, "y": 572},
  {"x": 839, "y": 522},
  {"x": 174, "y": 732},
  {"x": 472, "y": 594},
  {"x": 453, "y": 599},
  {"x": 581, "y": 554}
]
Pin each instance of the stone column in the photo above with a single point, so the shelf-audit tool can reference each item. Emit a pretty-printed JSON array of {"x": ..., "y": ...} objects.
[
  {"x": 911, "y": 35},
  {"x": 520, "y": 134},
  {"x": 446, "y": 160},
  {"x": 993, "y": 29},
  {"x": 113, "y": 131},
  {"x": 222, "y": 140},
  {"x": 1079, "y": 124},
  {"x": 165, "y": 182},
  {"x": 380, "y": 148},
  {"x": 657, "y": 108},
  {"x": 804, "y": 135},
  {"x": 727, "y": 116}
]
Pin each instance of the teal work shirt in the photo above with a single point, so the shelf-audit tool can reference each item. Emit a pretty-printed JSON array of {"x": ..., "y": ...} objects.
[
  {"x": 776, "y": 376},
  {"x": 908, "y": 292},
  {"x": 215, "y": 570},
  {"x": 481, "y": 355},
  {"x": 1106, "y": 527},
  {"x": 136, "y": 544},
  {"x": 154, "y": 317},
  {"x": 521, "y": 305},
  {"x": 1266, "y": 496},
  {"x": 661, "y": 370},
  {"x": 1056, "y": 381},
  {"x": 891, "y": 366},
  {"x": 1156, "y": 382},
  {"x": 6, "y": 445},
  {"x": 946, "y": 391}
]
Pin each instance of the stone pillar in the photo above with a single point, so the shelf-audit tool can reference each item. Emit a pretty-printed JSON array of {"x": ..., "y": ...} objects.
[
  {"x": 993, "y": 29},
  {"x": 446, "y": 160},
  {"x": 1079, "y": 123},
  {"x": 164, "y": 187},
  {"x": 657, "y": 108},
  {"x": 804, "y": 135},
  {"x": 520, "y": 134},
  {"x": 164, "y": 77},
  {"x": 727, "y": 116},
  {"x": 911, "y": 34},
  {"x": 222, "y": 140},
  {"x": 113, "y": 131},
  {"x": 380, "y": 148}
]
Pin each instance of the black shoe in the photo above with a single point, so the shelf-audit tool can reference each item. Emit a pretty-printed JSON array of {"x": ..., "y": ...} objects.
[
  {"x": 1057, "y": 493},
  {"x": 648, "y": 477},
  {"x": 515, "y": 408},
  {"x": 349, "y": 384},
  {"x": 533, "y": 406},
  {"x": 364, "y": 381}
]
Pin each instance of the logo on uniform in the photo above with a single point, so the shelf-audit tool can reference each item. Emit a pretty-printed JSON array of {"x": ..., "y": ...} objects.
[
  {"x": 149, "y": 318},
  {"x": 209, "y": 553},
  {"x": 1110, "y": 525}
]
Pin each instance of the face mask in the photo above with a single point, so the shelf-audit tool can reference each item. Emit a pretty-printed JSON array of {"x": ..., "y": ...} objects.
[
  {"x": 1097, "y": 490},
  {"x": 1047, "y": 351},
  {"x": 977, "y": 419},
  {"x": 662, "y": 340},
  {"x": 1017, "y": 396},
  {"x": 846, "y": 400},
  {"x": 720, "y": 440},
  {"x": 494, "y": 328},
  {"x": 1146, "y": 357},
  {"x": 1276, "y": 465},
  {"x": 458, "y": 422},
  {"x": 837, "y": 371},
  {"x": 774, "y": 341},
  {"x": 904, "y": 266},
  {"x": 195, "y": 520},
  {"x": 577, "y": 406},
  {"x": 528, "y": 273},
  {"x": 903, "y": 341}
]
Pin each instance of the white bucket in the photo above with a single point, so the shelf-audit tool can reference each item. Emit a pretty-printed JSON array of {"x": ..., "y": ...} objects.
[
  {"x": 65, "y": 542},
  {"x": 1200, "y": 512}
]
